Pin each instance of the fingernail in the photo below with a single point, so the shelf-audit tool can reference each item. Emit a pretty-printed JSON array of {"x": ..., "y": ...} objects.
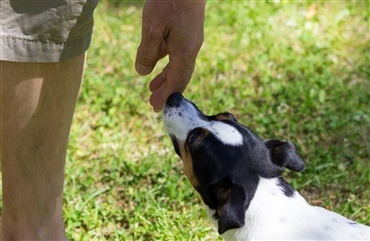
[{"x": 143, "y": 70}]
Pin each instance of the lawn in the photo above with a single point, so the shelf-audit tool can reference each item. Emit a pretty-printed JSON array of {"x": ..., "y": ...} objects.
[{"x": 290, "y": 71}]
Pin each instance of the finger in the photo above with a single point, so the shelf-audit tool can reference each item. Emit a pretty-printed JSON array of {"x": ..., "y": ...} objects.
[
  {"x": 156, "y": 100},
  {"x": 174, "y": 78},
  {"x": 156, "y": 87},
  {"x": 159, "y": 80},
  {"x": 178, "y": 74},
  {"x": 149, "y": 50}
]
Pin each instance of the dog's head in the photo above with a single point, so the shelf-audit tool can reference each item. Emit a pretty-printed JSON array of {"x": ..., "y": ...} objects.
[{"x": 223, "y": 159}]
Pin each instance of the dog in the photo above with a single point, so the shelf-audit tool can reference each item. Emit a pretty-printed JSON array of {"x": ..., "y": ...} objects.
[{"x": 238, "y": 177}]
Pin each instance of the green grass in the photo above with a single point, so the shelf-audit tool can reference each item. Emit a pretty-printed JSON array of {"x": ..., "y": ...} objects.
[{"x": 284, "y": 75}]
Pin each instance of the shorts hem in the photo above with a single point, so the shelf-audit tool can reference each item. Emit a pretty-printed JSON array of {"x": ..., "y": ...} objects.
[{"x": 18, "y": 49}]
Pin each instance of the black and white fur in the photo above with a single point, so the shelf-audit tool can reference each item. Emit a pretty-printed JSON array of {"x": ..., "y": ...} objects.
[{"x": 238, "y": 176}]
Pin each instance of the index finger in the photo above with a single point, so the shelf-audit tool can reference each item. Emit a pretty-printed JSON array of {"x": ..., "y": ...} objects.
[
  {"x": 178, "y": 73},
  {"x": 149, "y": 50}
]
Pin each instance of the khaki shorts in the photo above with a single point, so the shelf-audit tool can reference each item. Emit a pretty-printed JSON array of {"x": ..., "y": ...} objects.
[{"x": 45, "y": 30}]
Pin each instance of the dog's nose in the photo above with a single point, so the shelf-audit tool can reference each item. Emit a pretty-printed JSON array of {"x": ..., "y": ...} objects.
[{"x": 174, "y": 100}]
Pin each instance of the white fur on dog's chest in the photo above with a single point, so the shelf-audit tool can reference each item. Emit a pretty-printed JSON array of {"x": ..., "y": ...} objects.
[{"x": 274, "y": 216}]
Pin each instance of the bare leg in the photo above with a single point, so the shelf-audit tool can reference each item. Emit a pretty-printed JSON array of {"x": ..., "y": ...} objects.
[{"x": 37, "y": 105}]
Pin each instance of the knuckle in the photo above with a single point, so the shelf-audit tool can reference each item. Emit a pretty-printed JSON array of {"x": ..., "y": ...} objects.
[
  {"x": 153, "y": 32},
  {"x": 147, "y": 54}
]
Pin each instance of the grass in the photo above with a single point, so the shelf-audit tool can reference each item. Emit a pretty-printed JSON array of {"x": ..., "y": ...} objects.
[{"x": 291, "y": 71}]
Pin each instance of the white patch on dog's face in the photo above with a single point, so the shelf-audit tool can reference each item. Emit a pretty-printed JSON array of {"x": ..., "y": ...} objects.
[
  {"x": 179, "y": 121},
  {"x": 228, "y": 134}
]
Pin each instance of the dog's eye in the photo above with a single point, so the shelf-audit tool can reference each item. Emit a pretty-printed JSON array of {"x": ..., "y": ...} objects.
[
  {"x": 192, "y": 137},
  {"x": 195, "y": 135}
]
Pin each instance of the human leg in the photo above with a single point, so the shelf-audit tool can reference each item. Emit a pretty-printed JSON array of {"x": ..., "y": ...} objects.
[{"x": 37, "y": 105}]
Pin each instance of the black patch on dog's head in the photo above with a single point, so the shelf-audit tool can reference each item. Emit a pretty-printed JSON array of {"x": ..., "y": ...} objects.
[{"x": 227, "y": 175}]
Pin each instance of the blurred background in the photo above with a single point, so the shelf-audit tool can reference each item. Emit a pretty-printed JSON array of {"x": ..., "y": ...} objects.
[{"x": 296, "y": 71}]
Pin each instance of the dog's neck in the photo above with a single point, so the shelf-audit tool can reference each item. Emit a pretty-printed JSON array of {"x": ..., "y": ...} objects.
[{"x": 274, "y": 205}]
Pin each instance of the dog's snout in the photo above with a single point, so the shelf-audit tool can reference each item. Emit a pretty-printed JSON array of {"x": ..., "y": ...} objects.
[{"x": 174, "y": 100}]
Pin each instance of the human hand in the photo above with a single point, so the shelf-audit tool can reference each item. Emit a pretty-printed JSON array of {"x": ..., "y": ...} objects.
[{"x": 173, "y": 28}]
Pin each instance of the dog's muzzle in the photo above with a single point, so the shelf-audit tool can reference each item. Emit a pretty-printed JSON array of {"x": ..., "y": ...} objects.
[{"x": 180, "y": 116}]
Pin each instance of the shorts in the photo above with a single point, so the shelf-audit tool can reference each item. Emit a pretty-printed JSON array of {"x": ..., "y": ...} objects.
[{"x": 45, "y": 30}]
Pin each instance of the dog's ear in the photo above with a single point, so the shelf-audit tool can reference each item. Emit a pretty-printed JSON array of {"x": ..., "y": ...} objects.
[
  {"x": 284, "y": 154},
  {"x": 230, "y": 205}
]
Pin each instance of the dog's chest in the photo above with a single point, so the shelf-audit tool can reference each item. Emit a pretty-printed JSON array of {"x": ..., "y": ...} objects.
[{"x": 273, "y": 215}]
